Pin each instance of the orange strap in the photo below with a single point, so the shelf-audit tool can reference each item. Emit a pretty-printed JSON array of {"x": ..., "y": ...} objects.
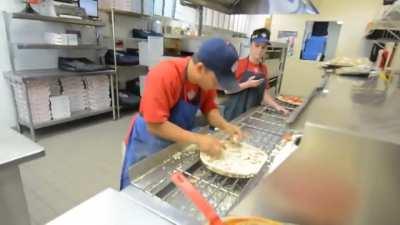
[{"x": 131, "y": 124}]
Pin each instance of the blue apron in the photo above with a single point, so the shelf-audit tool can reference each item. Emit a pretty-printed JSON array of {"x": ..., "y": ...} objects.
[
  {"x": 242, "y": 101},
  {"x": 141, "y": 143}
]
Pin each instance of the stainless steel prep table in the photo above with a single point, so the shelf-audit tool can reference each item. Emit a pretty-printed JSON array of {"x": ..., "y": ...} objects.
[
  {"x": 14, "y": 150},
  {"x": 107, "y": 208},
  {"x": 346, "y": 168}
]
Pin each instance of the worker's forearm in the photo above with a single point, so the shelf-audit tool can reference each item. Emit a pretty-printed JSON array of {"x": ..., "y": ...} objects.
[
  {"x": 268, "y": 99},
  {"x": 242, "y": 86},
  {"x": 216, "y": 120},
  {"x": 172, "y": 132}
]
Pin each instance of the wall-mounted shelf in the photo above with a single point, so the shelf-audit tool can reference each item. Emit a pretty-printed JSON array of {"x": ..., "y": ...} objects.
[
  {"x": 84, "y": 22},
  {"x": 53, "y": 46}
]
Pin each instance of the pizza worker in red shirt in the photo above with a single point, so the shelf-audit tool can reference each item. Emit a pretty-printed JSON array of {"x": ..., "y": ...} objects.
[
  {"x": 252, "y": 76},
  {"x": 174, "y": 91}
]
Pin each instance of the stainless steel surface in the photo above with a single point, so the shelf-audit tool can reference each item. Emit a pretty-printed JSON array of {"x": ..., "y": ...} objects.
[
  {"x": 159, "y": 207},
  {"x": 50, "y": 73},
  {"x": 116, "y": 91},
  {"x": 74, "y": 116},
  {"x": 23, "y": 76},
  {"x": 345, "y": 170},
  {"x": 110, "y": 207},
  {"x": 53, "y": 46},
  {"x": 296, "y": 113},
  {"x": 367, "y": 106},
  {"x": 15, "y": 149},
  {"x": 265, "y": 127},
  {"x": 28, "y": 106},
  {"x": 335, "y": 177},
  {"x": 32, "y": 16}
]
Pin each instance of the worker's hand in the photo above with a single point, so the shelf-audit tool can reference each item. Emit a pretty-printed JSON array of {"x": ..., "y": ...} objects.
[
  {"x": 234, "y": 131},
  {"x": 282, "y": 110},
  {"x": 252, "y": 83},
  {"x": 210, "y": 145}
]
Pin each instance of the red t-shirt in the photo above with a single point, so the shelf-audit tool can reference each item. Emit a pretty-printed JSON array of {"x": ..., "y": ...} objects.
[
  {"x": 244, "y": 64},
  {"x": 163, "y": 89}
]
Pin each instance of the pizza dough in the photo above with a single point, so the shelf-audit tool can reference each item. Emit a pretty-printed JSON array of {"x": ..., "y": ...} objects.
[
  {"x": 294, "y": 100},
  {"x": 237, "y": 160}
]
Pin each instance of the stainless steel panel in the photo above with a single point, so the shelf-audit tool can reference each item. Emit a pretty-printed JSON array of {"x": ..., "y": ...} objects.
[
  {"x": 368, "y": 106},
  {"x": 335, "y": 177},
  {"x": 110, "y": 207},
  {"x": 345, "y": 170}
]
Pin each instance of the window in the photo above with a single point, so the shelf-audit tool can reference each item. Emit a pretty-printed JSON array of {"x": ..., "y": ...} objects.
[
  {"x": 237, "y": 23},
  {"x": 226, "y": 22},
  {"x": 158, "y": 7},
  {"x": 221, "y": 18},
  {"x": 148, "y": 7},
  {"x": 215, "y": 18},
  {"x": 169, "y": 8},
  {"x": 185, "y": 13},
  {"x": 320, "y": 40},
  {"x": 137, "y": 6}
]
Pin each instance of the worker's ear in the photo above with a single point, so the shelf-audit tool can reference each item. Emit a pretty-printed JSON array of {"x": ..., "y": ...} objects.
[{"x": 200, "y": 67}]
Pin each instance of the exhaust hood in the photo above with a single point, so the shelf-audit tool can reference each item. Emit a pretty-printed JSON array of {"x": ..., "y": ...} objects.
[{"x": 256, "y": 6}]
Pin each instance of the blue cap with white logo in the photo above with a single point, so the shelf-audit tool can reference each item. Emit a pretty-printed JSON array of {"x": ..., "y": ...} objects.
[
  {"x": 219, "y": 56},
  {"x": 260, "y": 36}
]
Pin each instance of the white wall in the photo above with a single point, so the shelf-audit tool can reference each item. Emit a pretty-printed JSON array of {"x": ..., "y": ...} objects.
[
  {"x": 7, "y": 113},
  {"x": 301, "y": 76},
  {"x": 256, "y": 22},
  {"x": 333, "y": 37}
]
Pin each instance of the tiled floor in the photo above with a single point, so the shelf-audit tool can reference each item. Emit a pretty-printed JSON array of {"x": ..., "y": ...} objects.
[{"x": 82, "y": 158}]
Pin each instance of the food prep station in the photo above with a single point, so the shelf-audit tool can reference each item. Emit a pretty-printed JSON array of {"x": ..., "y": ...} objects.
[
  {"x": 264, "y": 128},
  {"x": 332, "y": 127}
]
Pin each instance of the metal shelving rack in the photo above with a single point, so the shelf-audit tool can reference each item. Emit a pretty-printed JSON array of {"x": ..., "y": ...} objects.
[
  {"x": 276, "y": 51},
  {"x": 112, "y": 12},
  {"x": 391, "y": 30},
  {"x": 24, "y": 76},
  {"x": 390, "y": 33},
  {"x": 52, "y": 46}
]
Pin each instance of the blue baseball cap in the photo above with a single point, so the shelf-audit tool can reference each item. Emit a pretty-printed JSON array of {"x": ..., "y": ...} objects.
[
  {"x": 220, "y": 56},
  {"x": 260, "y": 36}
]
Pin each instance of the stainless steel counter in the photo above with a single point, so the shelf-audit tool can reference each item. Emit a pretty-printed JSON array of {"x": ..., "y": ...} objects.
[
  {"x": 346, "y": 168},
  {"x": 369, "y": 107},
  {"x": 110, "y": 207},
  {"x": 14, "y": 150}
]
